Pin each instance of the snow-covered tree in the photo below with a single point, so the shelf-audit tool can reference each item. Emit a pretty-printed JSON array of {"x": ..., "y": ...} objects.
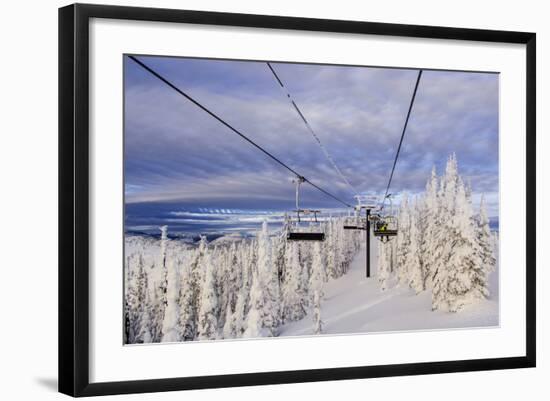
[
  {"x": 234, "y": 276},
  {"x": 190, "y": 292},
  {"x": 293, "y": 301},
  {"x": 240, "y": 313},
  {"x": 145, "y": 334},
  {"x": 460, "y": 277},
  {"x": 429, "y": 220},
  {"x": 485, "y": 239},
  {"x": 187, "y": 319},
  {"x": 413, "y": 261},
  {"x": 333, "y": 247},
  {"x": 157, "y": 314},
  {"x": 270, "y": 280},
  {"x": 254, "y": 319},
  {"x": 444, "y": 234},
  {"x": 229, "y": 329},
  {"x": 137, "y": 302},
  {"x": 384, "y": 263},
  {"x": 279, "y": 249},
  {"x": 403, "y": 242},
  {"x": 208, "y": 322},
  {"x": 159, "y": 291},
  {"x": 316, "y": 280},
  {"x": 170, "y": 330},
  {"x": 131, "y": 305}
]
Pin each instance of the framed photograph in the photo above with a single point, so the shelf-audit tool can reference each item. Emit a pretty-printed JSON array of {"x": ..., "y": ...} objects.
[{"x": 251, "y": 199}]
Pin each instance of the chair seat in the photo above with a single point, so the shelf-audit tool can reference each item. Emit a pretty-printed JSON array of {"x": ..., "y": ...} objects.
[
  {"x": 305, "y": 236},
  {"x": 354, "y": 227},
  {"x": 385, "y": 233}
]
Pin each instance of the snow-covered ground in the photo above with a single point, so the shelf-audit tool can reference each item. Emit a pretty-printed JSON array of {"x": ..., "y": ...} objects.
[{"x": 355, "y": 304}]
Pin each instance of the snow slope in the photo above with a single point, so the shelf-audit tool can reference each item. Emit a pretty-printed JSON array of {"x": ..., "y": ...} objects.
[{"x": 355, "y": 304}]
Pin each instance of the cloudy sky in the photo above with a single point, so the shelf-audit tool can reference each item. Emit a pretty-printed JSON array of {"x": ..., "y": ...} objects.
[{"x": 176, "y": 153}]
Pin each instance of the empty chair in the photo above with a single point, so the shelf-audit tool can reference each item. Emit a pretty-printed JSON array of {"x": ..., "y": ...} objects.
[{"x": 305, "y": 227}]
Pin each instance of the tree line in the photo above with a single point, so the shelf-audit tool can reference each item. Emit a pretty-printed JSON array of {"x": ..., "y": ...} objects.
[
  {"x": 442, "y": 245},
  {"x": 176, "y": 292}
]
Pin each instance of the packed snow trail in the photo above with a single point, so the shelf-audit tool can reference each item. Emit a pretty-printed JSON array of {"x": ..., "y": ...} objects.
[{"x": 355, "y": 304}]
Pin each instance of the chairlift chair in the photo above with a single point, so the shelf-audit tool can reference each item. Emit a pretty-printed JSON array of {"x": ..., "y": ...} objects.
[
  {"x": 363, "y": 202},
  {"x": 355, "y": 222},
  {"x": 385, "y": 227},
  {"x": 297, "y": 230}
]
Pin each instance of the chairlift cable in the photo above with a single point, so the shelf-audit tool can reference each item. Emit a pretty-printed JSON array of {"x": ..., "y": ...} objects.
[
  {"x": 310, "y": 129},
  {"x": 401, "y": 140},
  {"x": 219, "y": 119}
]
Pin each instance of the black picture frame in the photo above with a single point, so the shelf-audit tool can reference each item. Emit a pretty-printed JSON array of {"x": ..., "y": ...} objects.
[{"x": 74, "y": 198}]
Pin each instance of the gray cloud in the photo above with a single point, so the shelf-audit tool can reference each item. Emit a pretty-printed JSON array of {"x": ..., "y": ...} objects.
[{"x": 174, "y": 151}]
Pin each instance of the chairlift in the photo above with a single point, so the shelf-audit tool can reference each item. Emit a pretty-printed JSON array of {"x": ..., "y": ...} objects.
[
  {"x": 298, "y": 230},
  {"x": 385, "y": 227},
  {"x": 359, "y": 222},
  {"x": 355, "y": 222}
]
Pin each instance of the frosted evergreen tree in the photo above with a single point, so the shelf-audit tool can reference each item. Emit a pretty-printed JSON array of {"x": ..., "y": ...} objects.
[
  {"x": 170, "y": 329},
  {"x": 429, "y": 225},
  {"x": 196, "y": 268},
  {"x": 316, "y": 315},
  {"x": 208, "y": 322},
  {"x": 160, "y": 296},
  {"x": 383, "y": 272},
  {"x": 318, "y": 268},
  {"x": 403, "y": 242},
  {"x": 485, "y": 239},
  {"x": 269, "y": 281},
  {"x": 145, "y": 336},
  {"x": 229, "y": 282},
  {"x": 187, "y": 319},
  {"x": 254, "y": 319},
  {"x": 333, "y": 259},
  {"x": 131, "y": 312},
  {"x": 229, "y": 329},
  {"x": 341, "y": 248},
  {"x": 391, "y": 250},
  {"x": 316, "y": 281},
  {"x": 240, "y": 312},
  {"x": 157, "y": 312},
  {"x": 242, "y": 304},
  {"x": 414, "y": 266},
  {"x": 443, "y": 236},
  {"x": 234, "y": 276},
  {"x": 221, "y": 259},
  {"x": 460, "y": 277},
  {"x": 293, "y": 302},
  {"x": 190, "y": 293},
  {"x": 279, "y": 256},
  {"x": 469, "y": 277},
  {"x": 137, "y": 301},
  {"x": 305, "y": 259}
]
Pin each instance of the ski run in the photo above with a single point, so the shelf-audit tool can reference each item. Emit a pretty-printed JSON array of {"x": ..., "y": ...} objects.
[{"x": 440, "y": 272}]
